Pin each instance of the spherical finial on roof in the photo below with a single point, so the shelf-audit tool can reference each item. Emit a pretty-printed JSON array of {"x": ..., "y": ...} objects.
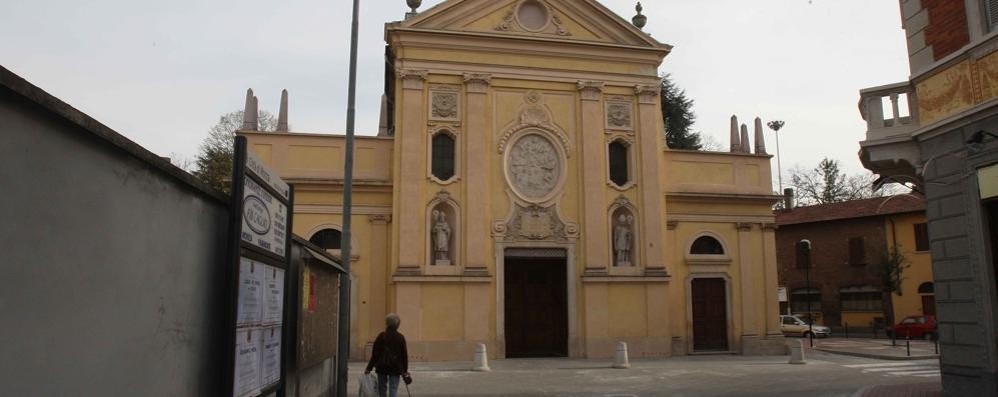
[{"x": 639, "y": 20}]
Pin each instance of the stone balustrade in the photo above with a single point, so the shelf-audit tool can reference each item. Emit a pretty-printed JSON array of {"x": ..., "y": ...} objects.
[{"x": 881, "y": 125}]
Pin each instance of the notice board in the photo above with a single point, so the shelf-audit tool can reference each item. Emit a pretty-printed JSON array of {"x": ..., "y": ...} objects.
[
  {"x": 256, "y": 340},
  {"x": 318, "y": 313}
]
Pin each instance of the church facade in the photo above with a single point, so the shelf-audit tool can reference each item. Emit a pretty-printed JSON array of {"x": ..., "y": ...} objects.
[{"x": 520, "y": 194}]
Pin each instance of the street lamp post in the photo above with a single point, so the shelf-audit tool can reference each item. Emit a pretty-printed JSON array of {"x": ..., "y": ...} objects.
[
  {"x": 805, "y": 245},
  {"x": 776, "y": 125},
  {"x": 343, "y": 331}
]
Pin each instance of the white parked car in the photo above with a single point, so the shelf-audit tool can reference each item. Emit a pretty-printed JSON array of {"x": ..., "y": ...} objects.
[{"x": 794, "y": 326}]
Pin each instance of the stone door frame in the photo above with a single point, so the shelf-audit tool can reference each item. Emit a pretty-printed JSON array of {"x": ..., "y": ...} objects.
[
  {"x": 729, "y": 309},
  {"x": 571, "y": 278}
]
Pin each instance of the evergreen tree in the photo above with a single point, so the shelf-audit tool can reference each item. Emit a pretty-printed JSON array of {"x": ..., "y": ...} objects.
[
  {"x": 677, "y": 112},
  {"x": 214, "y": 159}
]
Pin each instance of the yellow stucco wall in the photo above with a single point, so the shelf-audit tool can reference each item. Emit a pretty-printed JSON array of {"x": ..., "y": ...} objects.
[
  {"x": 559, "y": 90},
  {"x": 909, "y": 303}
]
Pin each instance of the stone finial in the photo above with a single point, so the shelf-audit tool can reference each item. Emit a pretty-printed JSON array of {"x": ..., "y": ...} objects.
[
  {"x": 744, "y": 138},
  {"x": 282, "y": 116},
  {"x": 639, "y": 20},
  {"x": 736, "y": 143},
  {"x": 250, "y": 112},
  {"x": 760, "y": 139},
  {"x": 413, "y": 5}
]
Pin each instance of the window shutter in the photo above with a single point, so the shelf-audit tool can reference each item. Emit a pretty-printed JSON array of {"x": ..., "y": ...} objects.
[
  {"x": 922, "y": 235},
  {"x": 857, "y": 251},
  {"x": 991, "y": 7}
]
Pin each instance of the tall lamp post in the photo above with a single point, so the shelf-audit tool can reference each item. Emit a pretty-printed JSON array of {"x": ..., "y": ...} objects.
[
  {"x": 805, "y": 245},
  {"x": 776, "y": 125},
  {"x": 343, "y": 331}
]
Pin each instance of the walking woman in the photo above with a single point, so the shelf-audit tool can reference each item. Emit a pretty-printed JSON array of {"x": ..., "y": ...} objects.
[{"x": 390, "y": 359}]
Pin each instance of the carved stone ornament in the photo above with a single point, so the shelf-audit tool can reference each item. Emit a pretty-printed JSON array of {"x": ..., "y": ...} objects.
[
  {"x": 647, "y": 94},
  {"x": 477, "y": 82},
  {"x": 533, "y": 166},
  {"x": 619, "y": 114},
  {"x": 591, "y": 90},
  {"x": 535, "y": 115},
  {"x": 535, "y": 223},
  {"x": 445, "y": 104},
  {"x": 413, "y": 79},
  {"x": 532, "y": 16}
]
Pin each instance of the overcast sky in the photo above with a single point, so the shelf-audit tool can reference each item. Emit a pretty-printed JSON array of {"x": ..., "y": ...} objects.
[{"x": 162, "y": 72}]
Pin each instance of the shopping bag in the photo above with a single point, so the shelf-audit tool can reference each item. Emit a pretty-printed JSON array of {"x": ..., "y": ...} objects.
[{"x": 368, "y": 386}]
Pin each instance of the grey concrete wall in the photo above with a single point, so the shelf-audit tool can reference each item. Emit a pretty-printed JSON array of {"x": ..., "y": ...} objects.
[
  {"x": 962, "y": 260},
  {"x": 112, "y": 267}
]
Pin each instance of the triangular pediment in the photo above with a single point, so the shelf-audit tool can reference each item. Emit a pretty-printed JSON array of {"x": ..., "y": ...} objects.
[{"x": 577, "y": 20}]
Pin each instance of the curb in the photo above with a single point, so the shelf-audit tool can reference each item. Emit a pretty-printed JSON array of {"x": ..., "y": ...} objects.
[{"x": 878, "y": 356}]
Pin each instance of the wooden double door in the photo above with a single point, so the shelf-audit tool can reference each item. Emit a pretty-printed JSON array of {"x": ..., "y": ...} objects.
[
  {"x": 710, "y": 314},
  {"x": 536, "y": 312}
]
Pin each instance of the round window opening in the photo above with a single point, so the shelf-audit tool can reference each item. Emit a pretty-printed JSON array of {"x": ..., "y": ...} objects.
[{"x": 533, "y": 15}]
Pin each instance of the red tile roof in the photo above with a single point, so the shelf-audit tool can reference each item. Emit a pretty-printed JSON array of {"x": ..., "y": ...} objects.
[{"x": 878, "y": 206}]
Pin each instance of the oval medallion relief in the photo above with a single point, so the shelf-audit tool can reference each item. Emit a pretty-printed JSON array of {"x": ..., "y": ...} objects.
[{"x": 534, "y": 167}]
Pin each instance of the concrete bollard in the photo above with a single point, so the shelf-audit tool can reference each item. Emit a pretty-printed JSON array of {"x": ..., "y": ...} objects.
[
  {"x": 481, "y": 359},
  {"x": 621, "y": 361},
  {"x": 797, "y": 352}
]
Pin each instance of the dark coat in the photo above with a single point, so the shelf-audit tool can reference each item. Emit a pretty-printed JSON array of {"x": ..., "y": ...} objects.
[{"x": 389, "y": 342}]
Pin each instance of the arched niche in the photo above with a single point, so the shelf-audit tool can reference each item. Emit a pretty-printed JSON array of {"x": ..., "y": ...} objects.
[
  {"x": 623, "y": 223},
  {"x": 442, "y": 223}
]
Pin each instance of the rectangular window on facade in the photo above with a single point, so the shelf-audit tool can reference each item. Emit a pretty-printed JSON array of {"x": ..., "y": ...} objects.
[
  {"x": 802, "y": 299},
  {"x": 922, "y": 235},
  {"x": 862, "y": 299},
  {"x": 857, "y": 252}
]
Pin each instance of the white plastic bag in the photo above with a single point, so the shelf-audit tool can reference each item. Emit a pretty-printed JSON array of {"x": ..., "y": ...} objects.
[{"x": 368, "y": 385}]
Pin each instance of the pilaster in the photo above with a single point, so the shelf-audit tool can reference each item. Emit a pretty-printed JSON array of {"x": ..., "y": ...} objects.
[
  {"x": 594, "y": 200},
  {"x": 772, "y": 281},
  {"x": 378, "y": 280},
  {"x": 745, "y": 274},
  {"x": 411, "y": 143},
  {"x": 652, "y": 206},
  {"x": 476, "y": 183}
]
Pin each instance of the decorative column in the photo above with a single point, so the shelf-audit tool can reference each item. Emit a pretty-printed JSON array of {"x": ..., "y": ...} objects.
[
  {"x": 745, "y": 275},
  {"x": 771, "y": 281},
  {"x": 411, "y": 146},
  {"x": 593, "y": 189},
  {"x": 652, "y": 205},
  {"x": 476, "y": 181}
]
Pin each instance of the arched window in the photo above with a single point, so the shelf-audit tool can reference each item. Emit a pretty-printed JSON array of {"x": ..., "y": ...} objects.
[
  {"x": 328, "y": 239},
  {"x": 619, "y": 164},
  {"x": 927, "y": 288},
  {"x": 443, "y": 156},
  {"x": 706, "y": 245}
]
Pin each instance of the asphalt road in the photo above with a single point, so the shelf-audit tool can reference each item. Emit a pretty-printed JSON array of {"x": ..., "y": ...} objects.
[{"x": 824, "y": 375}]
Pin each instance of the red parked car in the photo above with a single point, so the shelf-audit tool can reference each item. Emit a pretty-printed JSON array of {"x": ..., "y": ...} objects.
[{"x": 917, "y": 327}]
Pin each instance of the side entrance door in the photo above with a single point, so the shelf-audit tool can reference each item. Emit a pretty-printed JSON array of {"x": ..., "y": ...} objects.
[
  {"x": 536, "y": 313},
  {"x": 710, "y": 315}
]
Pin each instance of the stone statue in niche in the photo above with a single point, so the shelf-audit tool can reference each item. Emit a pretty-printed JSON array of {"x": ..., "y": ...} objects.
[
  {"x": 441, "y": 238},
  {"x": 622, "y": 240}
]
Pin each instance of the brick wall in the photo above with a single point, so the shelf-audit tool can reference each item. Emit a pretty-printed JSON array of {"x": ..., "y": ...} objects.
[
  {"x": 830, "y": 254},
  {"x": 947, "y": 30}
]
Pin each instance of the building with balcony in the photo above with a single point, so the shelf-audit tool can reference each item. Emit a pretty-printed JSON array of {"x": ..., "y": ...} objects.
[
  {"x": 520, "y": 195},
  {"x": 938, "y": 132}
]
